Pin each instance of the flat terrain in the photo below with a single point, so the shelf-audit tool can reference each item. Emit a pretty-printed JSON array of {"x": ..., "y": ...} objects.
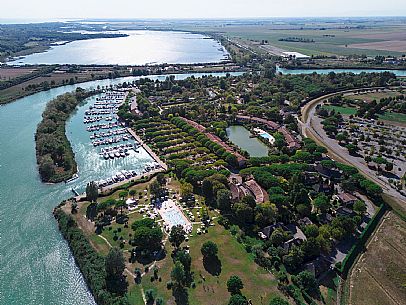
[
  {"x": 385, "y": 45},
  {"x": 379, "y": 277},
  {"x": 320, "y": 37},
  {"x": 7, "y": 73}
]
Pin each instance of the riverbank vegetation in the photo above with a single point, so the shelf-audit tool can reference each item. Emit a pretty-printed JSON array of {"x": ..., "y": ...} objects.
[
  {"x": 55, "y": 158},
  {"x": 103, "y": 275}
]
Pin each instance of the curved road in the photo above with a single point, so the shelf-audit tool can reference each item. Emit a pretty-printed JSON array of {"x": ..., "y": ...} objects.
[{"x": 311, "y": 127}]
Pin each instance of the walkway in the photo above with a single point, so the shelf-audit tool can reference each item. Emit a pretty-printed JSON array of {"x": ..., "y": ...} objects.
[{"x": 148, "y": 149}]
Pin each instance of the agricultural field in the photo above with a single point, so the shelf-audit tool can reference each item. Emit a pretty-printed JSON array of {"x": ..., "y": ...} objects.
[
  {"x": 379, "y": 277},
  {"x": 319, "y": 37}
]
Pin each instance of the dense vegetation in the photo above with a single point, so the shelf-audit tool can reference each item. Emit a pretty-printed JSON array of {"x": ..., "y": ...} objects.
[
  {"x": 55, "y": 157},
  {"x": 104, "y": 277}
]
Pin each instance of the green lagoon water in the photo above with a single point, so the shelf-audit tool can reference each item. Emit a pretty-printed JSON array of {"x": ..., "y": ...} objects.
[
  {"x": 240, "y": 136},
  {"x": 36, "y": 265}
]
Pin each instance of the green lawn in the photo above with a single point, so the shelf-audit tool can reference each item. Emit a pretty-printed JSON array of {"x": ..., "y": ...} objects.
[
  {"x": 394, "y": 117},
  {"x": 342, "y": 110},
  {"x": 259, "y": 285}
]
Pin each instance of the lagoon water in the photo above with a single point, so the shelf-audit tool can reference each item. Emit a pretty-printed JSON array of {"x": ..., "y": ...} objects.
[
  {"x": 139, "y": 48},
  {"x": 240, "y": 136},
  {"x": 36, "y": 264}
]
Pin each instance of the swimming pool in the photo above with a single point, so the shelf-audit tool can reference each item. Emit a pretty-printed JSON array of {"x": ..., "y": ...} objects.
[
  {"x": 266, "y": 135},
  {"x": 174, "y": 217}
]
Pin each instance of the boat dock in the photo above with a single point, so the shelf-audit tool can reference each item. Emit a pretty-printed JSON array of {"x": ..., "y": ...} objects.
[{"x": 148, "y": 149}]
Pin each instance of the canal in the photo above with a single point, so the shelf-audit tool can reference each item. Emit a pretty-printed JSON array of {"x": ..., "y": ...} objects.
[{"x": 36, "y": 264}]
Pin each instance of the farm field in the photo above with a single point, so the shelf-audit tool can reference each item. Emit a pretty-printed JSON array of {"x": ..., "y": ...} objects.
[
  {"x": 329, "y": 38},
  {"x": 380, "y": 275}
]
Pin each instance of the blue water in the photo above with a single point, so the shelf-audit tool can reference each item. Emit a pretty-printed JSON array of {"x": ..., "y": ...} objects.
[
  {"x": 35, "y": 262},
  {"x": 139, "y": 48},
  {"x": 175, "y": 217}
]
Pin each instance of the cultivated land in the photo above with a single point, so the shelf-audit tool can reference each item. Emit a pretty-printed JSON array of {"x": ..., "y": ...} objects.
[
  {"x": 330, "y": 38},
  {"x": 379, "y": 277}
]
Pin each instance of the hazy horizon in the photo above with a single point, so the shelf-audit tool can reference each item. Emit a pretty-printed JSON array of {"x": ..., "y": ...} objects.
[{"x": 209, "y": 9}]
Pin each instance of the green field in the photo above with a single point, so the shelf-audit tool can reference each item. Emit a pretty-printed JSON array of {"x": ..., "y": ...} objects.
[
  {"x": 393, "y": 117},
  {"x": 330, "y": 37},
  {"x": 342, "y": 110}
]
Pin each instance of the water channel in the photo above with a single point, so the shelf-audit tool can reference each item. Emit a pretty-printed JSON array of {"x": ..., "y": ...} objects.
[{"x": 36, "y": 264}]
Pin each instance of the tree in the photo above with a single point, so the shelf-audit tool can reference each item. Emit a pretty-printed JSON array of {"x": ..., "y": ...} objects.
[
  {"x": 177, "y": 236},
  {"x": 132, "y": 193},
  {"x": 234, "y": 285},
  {"x": 311, "y": 230},
  {"x": 92, "y": 192},
  {"x": 185, "y": 259},
  {"x": 359, "y": 207},
  {"x": 207, "y": 188},
  {"x": 161, "y": 179},
  {"x": 277, "y": 237},
  {"x": 123, "y": 194},
  {"x": 209, "y": 249},
  {"x": 322, "y": 203},
  {"x": 155, "y": 188},
  {"x": 223, "y": 200},
  {"x": 306, "y": 281},
  {"x": 237, "y": 299},
  {"x": 389, "y": 167},
  {"x": 278, "y": 301},
  {"x": 178, "y": 275},
  {"x": 352, "y": 149},
  {"x": 186, "y": 190},
  {"x": 46, "y": 168},
  {"x": 115, "y": 265}
]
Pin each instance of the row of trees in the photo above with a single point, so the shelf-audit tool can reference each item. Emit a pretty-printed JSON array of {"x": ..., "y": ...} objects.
[{"x": 104, "y": 276}]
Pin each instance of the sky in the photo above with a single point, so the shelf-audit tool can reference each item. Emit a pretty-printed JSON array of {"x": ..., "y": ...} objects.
[{"x": 133, "y": 9}]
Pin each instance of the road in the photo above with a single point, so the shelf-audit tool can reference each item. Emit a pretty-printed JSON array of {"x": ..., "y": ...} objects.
[{"x": 311, "y": 127}]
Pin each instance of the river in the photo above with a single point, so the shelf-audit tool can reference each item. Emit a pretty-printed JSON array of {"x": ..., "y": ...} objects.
[
  {"x": 36, "y": 265},
  {"x": 138, "y": 48}
]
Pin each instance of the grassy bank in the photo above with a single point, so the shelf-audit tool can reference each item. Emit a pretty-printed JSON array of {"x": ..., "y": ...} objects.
[{"x": 55, "y": 157}]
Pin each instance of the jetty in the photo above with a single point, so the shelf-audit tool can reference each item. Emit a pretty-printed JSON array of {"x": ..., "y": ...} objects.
[{"x": 148, "y": 149}]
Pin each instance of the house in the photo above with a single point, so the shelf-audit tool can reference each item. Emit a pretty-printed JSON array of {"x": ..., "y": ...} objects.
[
  {"x": 347, "y": 199},
  {"x": 327, "y": 172},
  {"x": 305, "y": 221},
  {"x": 324, "y": 187},
  {"x": 318, "y": 266},
  {"x": 259, "y": 193},
  {"x": 297, "y": 239},
  {"x": 325, "y": 218},
  {"x": 267, "y": 231},
  {"x": 345, "y": 212},
  {"x": 240, "y": 189}
]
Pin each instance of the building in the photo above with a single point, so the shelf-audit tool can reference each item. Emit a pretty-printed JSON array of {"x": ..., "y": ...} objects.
[{"x": 346, "y": 199}]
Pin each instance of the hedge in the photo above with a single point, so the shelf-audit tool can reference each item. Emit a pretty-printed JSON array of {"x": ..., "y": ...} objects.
[{"x": 359, "y": 246}]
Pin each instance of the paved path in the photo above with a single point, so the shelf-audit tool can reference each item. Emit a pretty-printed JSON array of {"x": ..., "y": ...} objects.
[
  {"x": 311, "y": 127},
  {"x": 148, "y": 149}
]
